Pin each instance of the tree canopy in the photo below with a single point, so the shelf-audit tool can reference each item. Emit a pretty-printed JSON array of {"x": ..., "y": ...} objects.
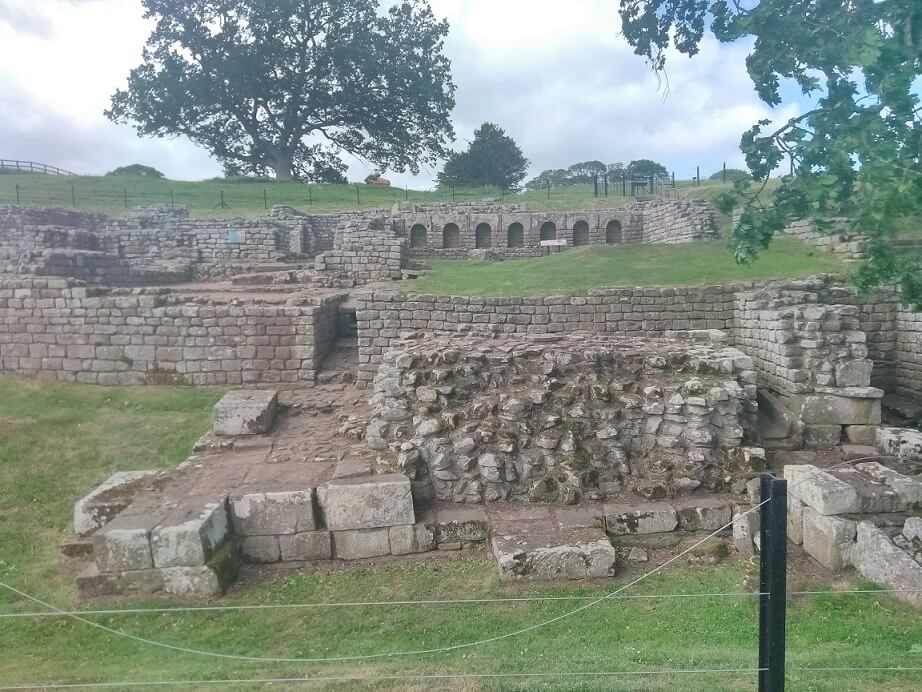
[
  {"x": 138, "y": 170},
  {"x": 287, "y": 85},
  {"x": 585, "y": 172},
  {"x": 492, "y": 158},
  {"x": 644, "y": 168},
  {"x": 857, "y": 153}
]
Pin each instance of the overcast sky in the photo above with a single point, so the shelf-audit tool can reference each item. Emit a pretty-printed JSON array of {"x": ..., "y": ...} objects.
[{"x": 555, "y": 74}]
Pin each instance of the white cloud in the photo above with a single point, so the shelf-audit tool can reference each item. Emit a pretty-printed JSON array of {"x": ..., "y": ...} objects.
[{"x": 556, "y": 75}]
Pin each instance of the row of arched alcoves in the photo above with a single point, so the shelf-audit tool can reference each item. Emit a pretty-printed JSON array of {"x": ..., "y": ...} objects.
[{"x": 515, "y": 235}]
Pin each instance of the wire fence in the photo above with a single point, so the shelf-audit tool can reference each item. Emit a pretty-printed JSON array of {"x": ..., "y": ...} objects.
[{"x": 586, "y": 602}]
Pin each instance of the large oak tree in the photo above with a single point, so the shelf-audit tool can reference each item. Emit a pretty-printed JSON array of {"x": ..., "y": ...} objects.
[
  {"x": 857, "y": 153},
  {"x": 286, "y": 85}
]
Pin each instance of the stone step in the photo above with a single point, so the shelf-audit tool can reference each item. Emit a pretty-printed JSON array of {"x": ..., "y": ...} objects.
[{"x": 573, "y": 554}]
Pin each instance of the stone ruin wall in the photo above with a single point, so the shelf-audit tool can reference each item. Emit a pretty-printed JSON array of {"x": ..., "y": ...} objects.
[
  {"x": 563, "y": 418},
  {"x": 364, "y": 253},
  {"x": 65, "y": 330},
  {"x": 907, "y": 372},
  {"x": 450, "y": 231}
]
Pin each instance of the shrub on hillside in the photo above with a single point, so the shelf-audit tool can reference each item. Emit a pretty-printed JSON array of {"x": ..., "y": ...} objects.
[
  {"x": 137, "y": 170},
  {"x": 733, "y": 175}
]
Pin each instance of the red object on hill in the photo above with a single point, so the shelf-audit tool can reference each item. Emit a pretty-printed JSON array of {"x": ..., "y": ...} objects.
[{"x": 384, "y": 182}]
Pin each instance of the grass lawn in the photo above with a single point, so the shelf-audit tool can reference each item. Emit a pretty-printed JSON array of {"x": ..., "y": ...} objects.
[
  {"x": 577, "y": 271},
  {"x": 56, "y": 440}
]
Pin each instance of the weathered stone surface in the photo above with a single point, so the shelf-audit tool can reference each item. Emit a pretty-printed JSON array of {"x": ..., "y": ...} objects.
[
  {"x": 828, "y": 539},
  {"x": 704, "y": 514},
  {"x": 93, "y": 583},
  {"x": 822, "y": 436},
  {"x": 912, "y": 529},
  {"x": 367, "y": 502},
  {"x": 273, "y": 514},
  {"x": 307, "y": 546},
  {"x": 903, "y": 443},
  {"x": 861, "y": 434},
  {"x": 124, "y": 545},
  {"x": 878, "y": 559},
  {"x": 245, "y": 412},
  {"x": 821, "y": 490},
  {"x": 834, "y": 409},
  {"x": 745, "y": 531},
  {"x": 189, "y": 536},
  {"x": 461, "y": 525},
  {"x": 908, "y": 489},
  {"x": 407, "y": 540},
  {"x": 621, "y": 520},
  {"x": 795, "y": 521},
  {"x": 191, "y": 582},
  {"x": 854, "y": 373},
  {"x": 260, "y": 549},
  {"x": 578, "y": 554},
  {"x": 107, "y": 500},
  {"x": 358, "y": 544}
]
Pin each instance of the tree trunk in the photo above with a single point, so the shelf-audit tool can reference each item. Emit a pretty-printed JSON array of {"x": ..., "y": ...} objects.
[{"x": 282, "y": 166}]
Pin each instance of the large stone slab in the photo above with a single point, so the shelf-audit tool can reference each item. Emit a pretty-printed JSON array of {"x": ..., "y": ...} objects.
[
  {"x": 306, "y": 547},
  {"x": 273, "y": 513},
  {"x": 654, "y": 518},
  {"x": 828, "y": 540},
  {"x": 367, "y": 502},
  {"x": 704, "y": 514},
  {"x": 190, "y": 535},
  {"x": 461, "y": 524},
  {"x": 245, "y": 412},
  {"x": 838, "y": 409},
  {"x": 408, "y": 540},
  {"x": 108, "y": 500},
  {"x": 908, "y": 489},
  {"x": 821, "y": 490},
  {"x": 124, "y": 544},
  {"x": 878, "y": 559},
  {"x": 360, "y": 544},
  {"x": 903, "y": 443},
  {"x": 577, "y": 554}
]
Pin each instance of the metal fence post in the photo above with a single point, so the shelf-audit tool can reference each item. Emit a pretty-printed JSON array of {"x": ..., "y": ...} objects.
[
  {"x": 697, "y": 176},
  {"x": 172, "y": 201},
  {"x": 125, "y": 193},
  {"x": 265, "y": 199},
  {"x": 772, "y": 583},
  {"x": 73, "y": 196},
  {"x": 725, "y": 171},
  {"x": 548, "y": 189},
  {"x": 17, "y": 194},
  {"x": 358, "y": 196}
]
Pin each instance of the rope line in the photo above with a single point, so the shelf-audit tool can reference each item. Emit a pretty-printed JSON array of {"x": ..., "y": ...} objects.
[
  {"x": 434, "y": 602},
  {"x": 392, "y": 654},
  {"x": 391, "y": 678}
]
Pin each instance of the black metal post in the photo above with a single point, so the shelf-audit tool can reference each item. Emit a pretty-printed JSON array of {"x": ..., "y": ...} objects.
[
  {"x": 697, "y": 176},
  {"x": 73, "y": 196},
  {"x": 223, "y": 204},
  {"x": 772, "y": 583},
  {"x": 548, "y": 189},
  {"x": 172, "y": 201},
  {"x": 358, "y": 197},
  {"x": 452, "y": 193},
  {"x": 125, "y": 193},
  {"x": 595, "y": 186},
  {"x": 407, "y": 193},
  {"x": 310, "y": 195},
  {"x": 652, "y": 184},
  {"x": 265, "y": 199},
  {"x": 17, "y": 194},
  {"x": 725, "y": 171},
  {"x": 623, "y": 183},
  {"x": 606, "y": 184},
  {"x": 673, "y": 180}
]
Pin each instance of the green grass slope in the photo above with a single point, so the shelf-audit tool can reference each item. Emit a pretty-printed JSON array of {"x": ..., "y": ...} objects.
[{"x": 577, "y": 271}]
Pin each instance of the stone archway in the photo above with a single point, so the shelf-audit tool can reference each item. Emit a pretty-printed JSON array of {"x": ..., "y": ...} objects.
[
  {"x": 515, "y": 236},
  {"x": 451, "y": 236},
  {"x": 419, "y": 236},
  {"x": 581, "y": 233},
  {"x": 613, "y": 233},
  {"x": 548, "y": 231},
  {"x": 483, "y": 236}
]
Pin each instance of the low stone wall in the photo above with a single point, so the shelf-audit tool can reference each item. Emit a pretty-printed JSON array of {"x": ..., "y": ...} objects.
[
  {"x": 559, "y": 419},
  {"x": 364, "y": 254},
  {"x": 62, "y": 329},
  {"x": 382, "y": 318},
  {"x": 908, "y": 366}
]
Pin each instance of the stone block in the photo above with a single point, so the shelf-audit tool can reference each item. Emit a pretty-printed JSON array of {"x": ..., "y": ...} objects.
[
  {"x": 93, "y": 584},
  {"x": 407, "y": 540},
  {"x": 835, "y": 409},
  {"x": 795, "y": 521},
  {"x": 854, "y": 373},
  {"x": 107, "y": 500},
  {"x": 828, "y": 539},
  {"x": 908, "y": 489},
  {"x": 358, "y": 544},
  {"x": 578, "y": 554},
  {"x": 191, "y": 582},
  {"x": 307, "y": 546},
  {"x": 367, "y": 502},
  {"x": 824, "y": 492},
  {"x": 461, "y": 525},
  {"x": 878, "y": 559},
  {"x": 273, "y": 514},
  {"x": 704, "y": 514},
  {"x": 654, "y": 518},
  {"x": 260, "y": 549},
  {"x": 745, "y": 531},
  {"x": 190, "y": 535},
  {"x": 245, "y": 412},
  {"x": 912, "y": 529},
  {"x": 903, "y": 443},
  {"x": 861, "y": 434},
  {"x": 124, "y": 545},
  {"x": 822, "y": 436}
]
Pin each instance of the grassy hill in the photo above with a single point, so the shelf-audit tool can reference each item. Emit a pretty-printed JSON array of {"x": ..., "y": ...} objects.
[{"x": 114, "y": 195}]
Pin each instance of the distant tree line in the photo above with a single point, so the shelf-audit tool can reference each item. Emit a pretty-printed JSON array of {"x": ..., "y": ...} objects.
[{"x": 584, "y": 172}]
